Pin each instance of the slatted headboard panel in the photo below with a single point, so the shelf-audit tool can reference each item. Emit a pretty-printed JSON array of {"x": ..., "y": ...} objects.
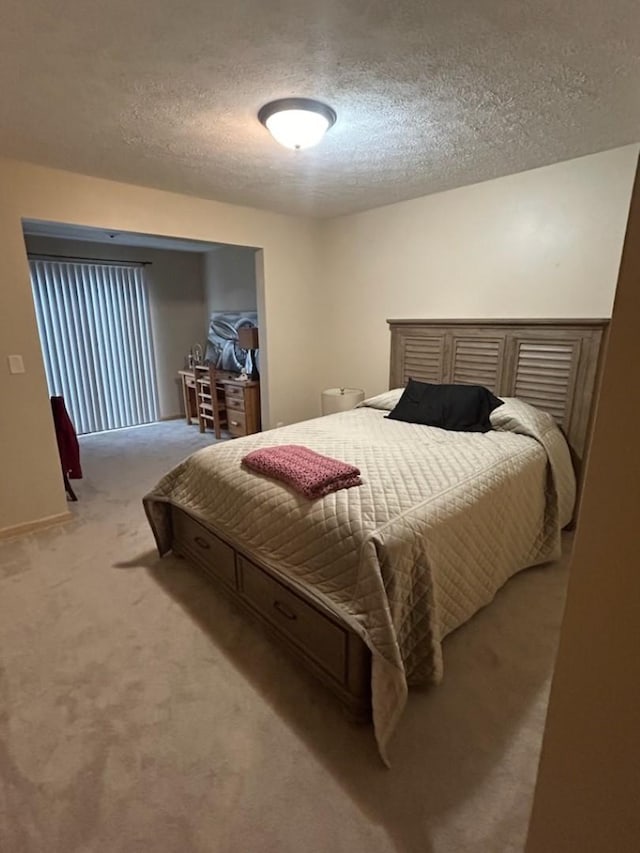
[
  {"x": 552, "y": 364},
  {"x": 424, "y": 358},
  {"x": 477, "y": 360},
  {"x": 546, "y": 374}
]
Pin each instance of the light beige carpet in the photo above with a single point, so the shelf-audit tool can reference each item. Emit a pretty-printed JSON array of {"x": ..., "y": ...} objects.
[{"x": 139, "y": 711}]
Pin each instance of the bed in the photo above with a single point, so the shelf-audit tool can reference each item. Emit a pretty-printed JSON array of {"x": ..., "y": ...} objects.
[{"x": 364, "y": 584}]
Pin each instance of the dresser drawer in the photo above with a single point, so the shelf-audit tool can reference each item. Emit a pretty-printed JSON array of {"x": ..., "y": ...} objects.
[
  {"x": 312, "y": 631},
  {"x": 204, "y": 548},
  {"x": 236, "y": 422},
  {"x": 234, "y": 397}
]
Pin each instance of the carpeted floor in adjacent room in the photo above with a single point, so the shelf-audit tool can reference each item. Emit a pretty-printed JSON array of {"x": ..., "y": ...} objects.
[{"x": 140, "y": 711}]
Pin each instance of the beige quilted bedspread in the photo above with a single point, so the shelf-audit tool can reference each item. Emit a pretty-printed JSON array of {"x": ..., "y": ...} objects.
[{"x": 441, "y": 521}]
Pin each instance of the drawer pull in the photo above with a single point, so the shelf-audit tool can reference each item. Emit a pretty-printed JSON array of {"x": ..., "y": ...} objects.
[
  {"x": 201, "y": 542},
  {"x": 235, "y": 423},
  {"x": 284, "y": 610}
]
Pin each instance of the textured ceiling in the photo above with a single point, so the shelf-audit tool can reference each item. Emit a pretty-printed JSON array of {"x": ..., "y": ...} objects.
[{"x": 429, "y": 95}]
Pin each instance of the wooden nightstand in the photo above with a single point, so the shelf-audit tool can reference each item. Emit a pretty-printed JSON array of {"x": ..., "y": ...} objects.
[{"x": 242, "y": 400}]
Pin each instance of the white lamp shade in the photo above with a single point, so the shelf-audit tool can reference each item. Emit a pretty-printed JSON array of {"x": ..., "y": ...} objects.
[
  {"x": 340, "y": 399},
  {"x": 297, "y": 129}
]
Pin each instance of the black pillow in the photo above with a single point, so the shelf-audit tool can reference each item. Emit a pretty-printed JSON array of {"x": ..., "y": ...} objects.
[{"x": 465, "y": 408}]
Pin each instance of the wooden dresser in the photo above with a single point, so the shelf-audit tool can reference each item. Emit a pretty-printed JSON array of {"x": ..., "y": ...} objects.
[{"x": 239, "y": 400}]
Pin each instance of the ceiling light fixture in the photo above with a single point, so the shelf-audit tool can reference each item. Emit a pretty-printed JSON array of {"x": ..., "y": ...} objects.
[{"x": 297, "y": 122}]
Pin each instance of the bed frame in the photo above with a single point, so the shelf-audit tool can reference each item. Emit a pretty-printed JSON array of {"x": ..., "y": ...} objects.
[{"x": 553, "y": 364}]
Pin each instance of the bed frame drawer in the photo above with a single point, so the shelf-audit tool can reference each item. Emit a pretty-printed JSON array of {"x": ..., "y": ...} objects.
[
  {"x": 317, "y": 634},
  {"x": 204, "y": 547}
]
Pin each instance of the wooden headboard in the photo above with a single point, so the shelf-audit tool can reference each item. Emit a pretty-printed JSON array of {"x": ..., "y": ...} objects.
[{"x": 552, "y": 364}]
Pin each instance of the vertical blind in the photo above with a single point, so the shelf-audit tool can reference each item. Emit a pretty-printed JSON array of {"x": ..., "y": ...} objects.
[{"x": 96, "y": 339}]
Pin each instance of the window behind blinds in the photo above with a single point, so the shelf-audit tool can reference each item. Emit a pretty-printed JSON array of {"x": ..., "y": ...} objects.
[{"x": 96, "y": 339}]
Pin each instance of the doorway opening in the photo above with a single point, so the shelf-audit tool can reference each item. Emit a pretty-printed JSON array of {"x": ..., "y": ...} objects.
[{"x": 122, "y": 316}]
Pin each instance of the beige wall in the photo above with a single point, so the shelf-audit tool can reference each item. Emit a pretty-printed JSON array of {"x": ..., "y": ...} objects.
[
  {"x": 230, "y": 279},
  {"x": 588, "y": 792},
  {"x": 30, "y": 486},
  {"x": 176, "y": 304},
  {"x": 544, "y": 243}
]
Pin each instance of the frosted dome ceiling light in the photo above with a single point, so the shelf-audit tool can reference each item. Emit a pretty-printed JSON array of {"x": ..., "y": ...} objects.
[{"x": 297, "y": 122}]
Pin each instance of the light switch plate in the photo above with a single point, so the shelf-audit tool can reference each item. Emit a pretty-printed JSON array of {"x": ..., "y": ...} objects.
[{"x": 16, "y": 364}]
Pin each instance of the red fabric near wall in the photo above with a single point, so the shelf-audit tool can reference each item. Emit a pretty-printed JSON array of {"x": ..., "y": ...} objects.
[{"x": 67, "y": 439}]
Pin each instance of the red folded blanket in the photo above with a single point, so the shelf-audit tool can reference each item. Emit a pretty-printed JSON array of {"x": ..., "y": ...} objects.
[{"x": 306, "y": 471}]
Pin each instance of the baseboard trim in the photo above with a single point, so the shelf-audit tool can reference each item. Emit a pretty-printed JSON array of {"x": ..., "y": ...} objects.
[{"x": 33, "y": 526}]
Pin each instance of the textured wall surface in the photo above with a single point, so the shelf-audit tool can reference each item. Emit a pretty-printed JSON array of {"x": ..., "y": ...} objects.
[
  {"x": 544, "y": 243},
  {"x": 429, "y": 95}
]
